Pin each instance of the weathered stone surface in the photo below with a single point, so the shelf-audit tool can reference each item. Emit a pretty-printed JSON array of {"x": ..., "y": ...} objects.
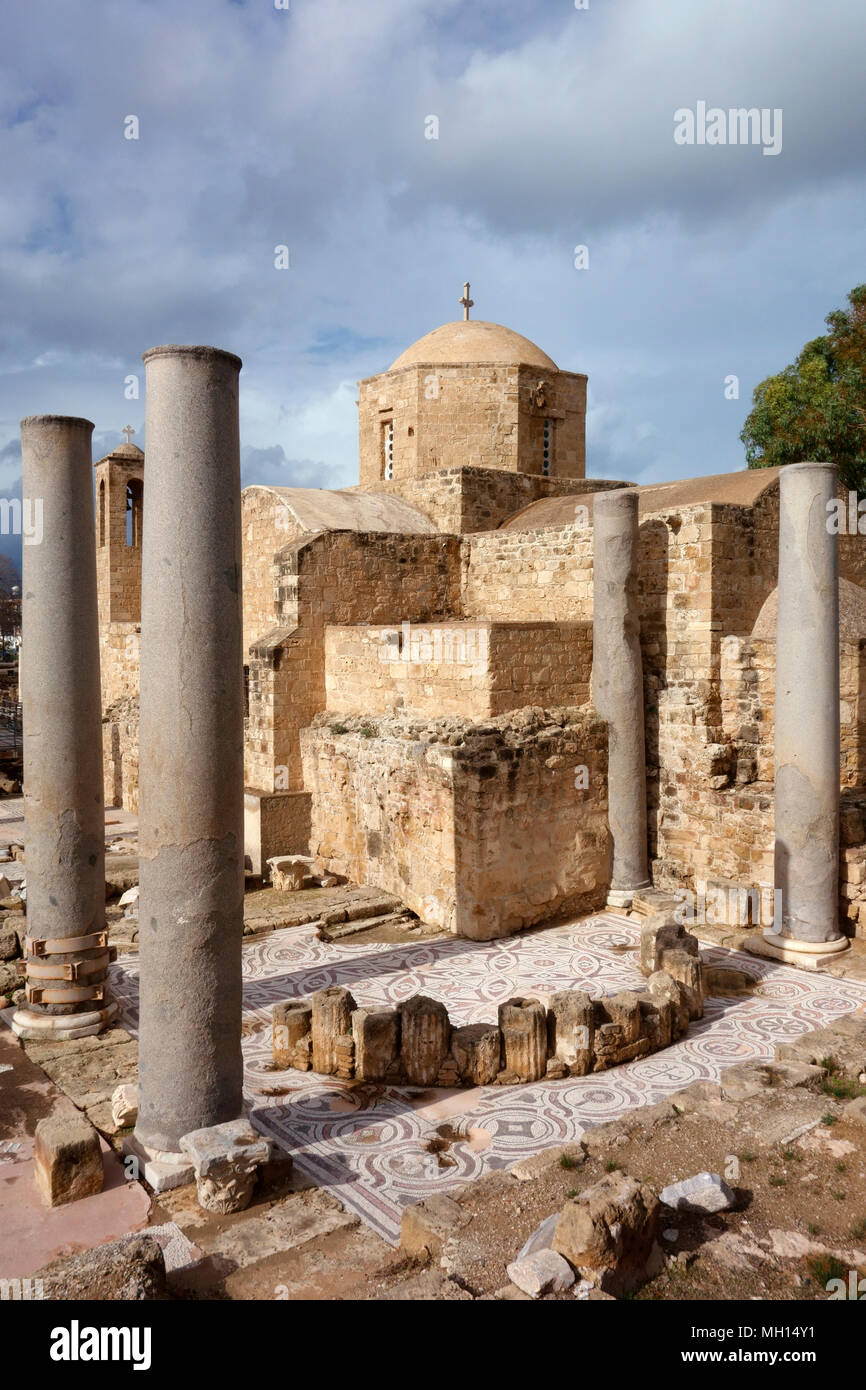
[
  {"x": 292, "y": 1024},
  {"x": 9, "y": 945},
  {"x": 617, "y": 683},
  {"x": 425, "y": 1039},
  {"x": 609, "y": 1233},
  {"x": 477, "y": 1051},
  {"x": 662, "y": 933},
  {"x": 705, "y": 1192},
  {"x": 688, "y": 970},
  {"x": 377, "y": 1043},
  {"x": 663, "y": 986},
  {"x": 806, "y": 743},
  {"x": 431, "y": 1285},
  {"x": 191, "y": 823},
  {"x": 855, "y": 1111},
  {"x": 130, "y": 1270},
  {"x": 744, "y": 1080},
  {"x": 617, "y": 1031},
  {"x": 226, "y": 1159},
  {"x": 542, "y": 1272},
  {"x": 331, "y": 1020},
  {"x": 67, "y": 1159},
  {"x": 844, "y": 1041},
  {"x": 62, "y": 738},
  {"x": 427, "y": 1225},
  {"x": 124, "y": 1105},
  {"x": 541, "y": 1238},
  {"x": 289, "y": 871},
  {"x": 570, "y": 1030},
  {"x": 656, "y": 1020},
  {"x": 523, "y": 1025}
]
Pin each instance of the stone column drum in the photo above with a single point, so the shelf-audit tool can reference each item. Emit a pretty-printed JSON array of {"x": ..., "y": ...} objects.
[
  {"x": 67, "y": 944},
  {"x": 807, "y": 750},
  {"x": 191, "y": 750},
  {"x": 617, "y": 686}
]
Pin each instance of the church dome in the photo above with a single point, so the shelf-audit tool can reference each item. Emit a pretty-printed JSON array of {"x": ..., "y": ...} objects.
[{"x": 472, "y": 340}]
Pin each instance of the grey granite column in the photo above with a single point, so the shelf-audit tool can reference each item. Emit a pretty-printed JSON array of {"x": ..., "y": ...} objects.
[
  {"x": 617, "y": 685},
  {"x": 67, "y": 945},
  {"x": 807, "y": 719},
  {"x": 191, "y": 751}
]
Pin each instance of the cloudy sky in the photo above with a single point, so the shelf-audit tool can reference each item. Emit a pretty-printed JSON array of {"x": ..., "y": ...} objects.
[{"x": 305, "y": 127}]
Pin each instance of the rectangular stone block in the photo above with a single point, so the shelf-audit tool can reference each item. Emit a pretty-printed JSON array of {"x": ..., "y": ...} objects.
[{"x": 67, "y": 1159}]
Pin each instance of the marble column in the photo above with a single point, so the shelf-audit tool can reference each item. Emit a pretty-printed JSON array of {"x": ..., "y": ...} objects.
[
  {"x": 807, "y": 751},
  {"x": 617, "y": 686},
  {"x": 67, "y": 944},
  {"x": 191, "y": 753}
]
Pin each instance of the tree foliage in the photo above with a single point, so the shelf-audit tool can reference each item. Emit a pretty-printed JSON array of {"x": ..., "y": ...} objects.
[{"x": 816, "y": 409}]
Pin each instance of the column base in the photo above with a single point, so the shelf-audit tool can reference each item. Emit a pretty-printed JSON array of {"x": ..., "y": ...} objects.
[
  {"x": 623, "y": 897},
  {"x": 808, "y": 955},
  {"x": 34, "y": 1027},
  {"x": 161, "y": 1169}
]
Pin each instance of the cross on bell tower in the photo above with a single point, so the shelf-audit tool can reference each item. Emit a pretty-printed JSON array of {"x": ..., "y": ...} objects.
[
  {"x": 466, "y": 302},
  {"x": 129, "y": 432}
]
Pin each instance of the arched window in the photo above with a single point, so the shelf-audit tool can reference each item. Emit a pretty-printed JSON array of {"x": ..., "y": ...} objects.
[
  {"x": 133, "y": 512},
  {"x": 102, "y": 512}
]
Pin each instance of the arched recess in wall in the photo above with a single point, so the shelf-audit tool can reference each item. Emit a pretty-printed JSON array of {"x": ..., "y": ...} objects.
[
  {"x": 101, "y": 508},
  {"x": 134, "y": 499}
]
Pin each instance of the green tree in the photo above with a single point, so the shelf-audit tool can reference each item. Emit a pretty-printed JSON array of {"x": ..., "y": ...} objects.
[{"x": 816, "y": 409}]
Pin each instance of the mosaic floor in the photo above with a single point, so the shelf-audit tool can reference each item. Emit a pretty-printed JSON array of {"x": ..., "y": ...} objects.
[{"x": 367, "y": 1144}]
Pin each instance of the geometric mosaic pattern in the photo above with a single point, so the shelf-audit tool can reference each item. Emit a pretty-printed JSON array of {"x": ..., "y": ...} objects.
[{"x": 367, "y": 1144}]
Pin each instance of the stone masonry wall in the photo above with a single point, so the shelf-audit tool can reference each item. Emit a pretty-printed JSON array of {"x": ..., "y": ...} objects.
[
  {"x": 538, "y": 576},
  {"x": 481, "y": 829},
  {"x": 479, "y": 415},
  {"x": 469, "y": 669},
  {"x": 120, "y": 661},
  {"x": 120, "y": 754},
  {"x": 267, "y": 526},
  {"x": 338, "y": 577},
  {"x": 459, "y": 500}
]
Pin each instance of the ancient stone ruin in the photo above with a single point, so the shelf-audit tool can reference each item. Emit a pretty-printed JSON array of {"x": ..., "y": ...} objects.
[
  {"x": 502, "y": 691},
  {"x": 497, "y": 691},
  {"x": 416, "y": 1043}
]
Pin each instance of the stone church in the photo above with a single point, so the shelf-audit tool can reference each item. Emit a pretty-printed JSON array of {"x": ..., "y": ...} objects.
[{"x": 419, "y": 655}]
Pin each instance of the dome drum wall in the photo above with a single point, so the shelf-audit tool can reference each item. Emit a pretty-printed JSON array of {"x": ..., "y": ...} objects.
[{"x": 419, "y": 418}]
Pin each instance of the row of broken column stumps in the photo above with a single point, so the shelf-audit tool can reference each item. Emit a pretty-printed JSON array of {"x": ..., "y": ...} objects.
[
  {"x": 416, "y": 1044},
  {"x": 191, "y": 776}
]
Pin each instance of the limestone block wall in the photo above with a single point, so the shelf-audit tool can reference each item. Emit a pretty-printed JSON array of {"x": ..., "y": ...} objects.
[
  {"x": 485, "y": 415},
  {"x": 469, "y": 669},
  {"x": 748, "y": 678},
  {"x": 481, "y": 829},
  {"x": 342, "y": 578},
  {"x": 267, "y": 526},
  {"x": 529, "y": 575},
  {"x": 462, "y": 499},
  {"x": 118, "y": 564},
  {"x": 119, "y": 660},
  {"x": 120, "y": 754}
]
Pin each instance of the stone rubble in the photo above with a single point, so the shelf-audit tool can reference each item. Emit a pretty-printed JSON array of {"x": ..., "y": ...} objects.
[{"x": 706, "y": 1192}]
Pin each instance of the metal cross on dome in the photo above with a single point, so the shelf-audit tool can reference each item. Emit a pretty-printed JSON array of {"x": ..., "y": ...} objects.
[
  {"x": 129, "y": 432},
  {"x": 466, "y": 301}
]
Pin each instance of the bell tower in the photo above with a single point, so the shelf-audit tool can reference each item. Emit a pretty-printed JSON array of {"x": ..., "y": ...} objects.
[{"x": 119, "y": 495}]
